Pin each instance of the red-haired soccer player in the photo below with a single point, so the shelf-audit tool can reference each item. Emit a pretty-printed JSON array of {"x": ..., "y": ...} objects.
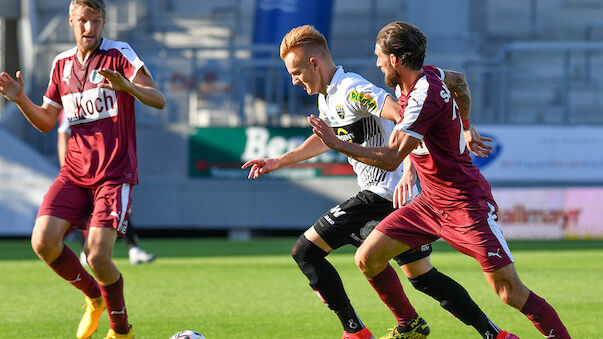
[{"x": 456, "y": 203}]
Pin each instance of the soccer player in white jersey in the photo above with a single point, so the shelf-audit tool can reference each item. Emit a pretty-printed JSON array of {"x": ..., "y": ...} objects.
[
  {"x": 456, "y": 203},
  {"x": 359, "y": 111},
  {"x": 96, "y": 84}
]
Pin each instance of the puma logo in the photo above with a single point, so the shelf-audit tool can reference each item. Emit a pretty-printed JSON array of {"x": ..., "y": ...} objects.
[
  {"x": 551, "y": 335},
  {"x": 78, "y": 278},
  {"x": 123, "y": 311},
  {"x": 494, "y": 254}
]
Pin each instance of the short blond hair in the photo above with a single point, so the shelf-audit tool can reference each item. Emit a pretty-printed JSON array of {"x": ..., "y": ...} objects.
[
  {"x": 97, "y": 5},
  {"x": 304, "y": 36}
]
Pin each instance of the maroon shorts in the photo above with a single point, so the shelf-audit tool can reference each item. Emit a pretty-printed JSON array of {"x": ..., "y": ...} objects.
[
  {"x": 471, "y": 230},
  {"x": 105, "y": 206}
]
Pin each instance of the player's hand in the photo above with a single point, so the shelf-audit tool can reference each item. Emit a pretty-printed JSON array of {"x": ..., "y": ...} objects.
[
  {"x": 260, "y": 167},
  {"x": 323, "y": 131},
  {"x": 404, "y": 189},
  {"x": 477, "y": 143},
  {"x": 116, "y": 81},
  {"x": 10, "y": 88}
]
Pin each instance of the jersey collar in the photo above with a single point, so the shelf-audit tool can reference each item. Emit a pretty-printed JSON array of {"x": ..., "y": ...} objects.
[{"x": 339, "y": 74}]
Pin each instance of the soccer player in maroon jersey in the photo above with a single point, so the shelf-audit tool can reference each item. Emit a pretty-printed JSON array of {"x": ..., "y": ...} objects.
[
  {"x": 456, "y": 203},
  {"x": 136, "y": 254},
  {"x": 306, "y": 55},
  {"x": 95, "y": 83}
]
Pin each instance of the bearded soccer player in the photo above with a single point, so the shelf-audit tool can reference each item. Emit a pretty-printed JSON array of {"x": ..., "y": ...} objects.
[
  {"x": 136, "y": 254},
  {"x": 456, "y": 203},
  {"x": 357, "y": 108},
  {"x": 95, "y": 83}
]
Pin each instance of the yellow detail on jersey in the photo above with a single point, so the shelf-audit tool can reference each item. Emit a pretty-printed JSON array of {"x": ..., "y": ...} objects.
[
  {"x": 364, "y": 99},
  {"x": 344, "y": 135}
]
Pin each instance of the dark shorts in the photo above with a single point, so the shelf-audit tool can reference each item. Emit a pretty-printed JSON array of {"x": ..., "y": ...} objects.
[
  {"x": 472, "y": 231},
  {"x": 105, "y": 206},
  {"x": 353, "y": 220}
]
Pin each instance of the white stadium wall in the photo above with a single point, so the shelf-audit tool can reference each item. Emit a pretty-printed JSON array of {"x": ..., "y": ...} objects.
[
  {"x": 548, "y": 183},
  {"x": 24, "y": 179}
]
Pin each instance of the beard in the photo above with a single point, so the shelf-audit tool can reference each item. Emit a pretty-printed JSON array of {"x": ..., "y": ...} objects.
[{"x": 391, "y": 78}]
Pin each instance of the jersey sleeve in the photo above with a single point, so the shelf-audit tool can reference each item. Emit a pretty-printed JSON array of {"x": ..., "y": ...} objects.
[
  {"x": 364, "y": 97},
  {"x": 419, "y": 114},
  {"x": 53, "y": 94},
  {"x": 63, "y": 123},
  {"x": 132, "y": 62}
]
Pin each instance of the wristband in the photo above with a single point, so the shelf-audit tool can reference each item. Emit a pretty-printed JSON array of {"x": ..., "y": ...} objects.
[{"x": 466, "y": 124}]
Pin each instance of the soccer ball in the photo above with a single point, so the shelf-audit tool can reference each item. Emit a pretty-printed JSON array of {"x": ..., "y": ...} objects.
[{"x": 187, "y": 334}]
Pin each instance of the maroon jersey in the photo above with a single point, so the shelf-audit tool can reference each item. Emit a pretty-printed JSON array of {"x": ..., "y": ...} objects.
[
  {"x": 102, "y": 148},
  {"x": 449, "y": 179}
]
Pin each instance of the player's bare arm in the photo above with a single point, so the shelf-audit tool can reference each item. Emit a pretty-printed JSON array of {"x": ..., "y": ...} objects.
[
  {"x": 387, "y": 158},
  {"x": 42, "y": 117},
  {"x": 142, "y": 87},
  {"x": 457, "y": 84},
  {"x": 312, "y": 147},
  {"x": 391, "y": 109}
]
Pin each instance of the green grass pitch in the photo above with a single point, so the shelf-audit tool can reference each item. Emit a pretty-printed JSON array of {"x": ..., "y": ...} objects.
[{"x": 255, "y": 290}]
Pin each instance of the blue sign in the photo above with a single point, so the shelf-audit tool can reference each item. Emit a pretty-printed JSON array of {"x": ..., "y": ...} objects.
[{"x": 275, "y": 18}]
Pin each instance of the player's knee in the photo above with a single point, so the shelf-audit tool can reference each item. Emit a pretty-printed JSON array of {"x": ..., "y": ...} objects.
[
  {"x": 416, "y": 268},
  {"x": 304, "y": 251},
  {"x": 426, "y": 281},
  {"x": 98, "y": 260},
  {"x": 363, "y": 262},
  {"x": 44, "y": 248}
]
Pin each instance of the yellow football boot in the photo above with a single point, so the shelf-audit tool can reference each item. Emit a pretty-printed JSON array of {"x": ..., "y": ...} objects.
[
  {"x": 112, "y": 335},
  {"x": 416, "y": 329},
  {"x": 89, "y": 323}
]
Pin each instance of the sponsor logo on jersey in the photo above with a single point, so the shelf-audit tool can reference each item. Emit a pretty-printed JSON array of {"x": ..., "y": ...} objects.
[
  {"x": 67, "y": 71},
  {"x": 90, "y": 105},
  {"x": 340, "y": 111},
  {"x": 96, "y": 77},
  {"x": 364, "y": 99},
  {"x": 344, "y": 135}
]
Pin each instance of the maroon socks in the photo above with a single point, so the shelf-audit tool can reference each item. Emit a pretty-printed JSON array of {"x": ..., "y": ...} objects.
[
  {"x": 544, "y": 317},
  {"x": 68, "y": 266},
  {"x": 116, "y": 306},
  {"x": 388, "y": 286}
]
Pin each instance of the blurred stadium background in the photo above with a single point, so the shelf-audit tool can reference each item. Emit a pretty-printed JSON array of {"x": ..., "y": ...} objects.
[{"x": 534, "y": 69}]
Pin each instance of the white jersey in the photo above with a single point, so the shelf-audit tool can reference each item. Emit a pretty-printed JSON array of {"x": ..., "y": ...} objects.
[{"x": 352, "y": 107}]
